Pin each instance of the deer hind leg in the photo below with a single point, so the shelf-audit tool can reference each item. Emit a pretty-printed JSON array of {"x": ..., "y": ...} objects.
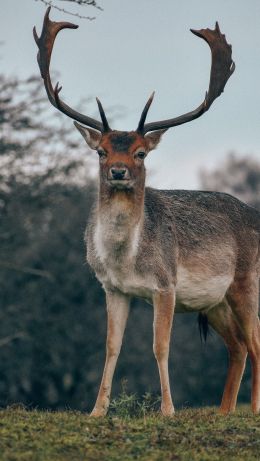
[
  {"x": 117, "y": 314},
  {"x": 222, "y": 320},
  {"x": 243, "y": 299},
  {"x": 163, "y": 315}
]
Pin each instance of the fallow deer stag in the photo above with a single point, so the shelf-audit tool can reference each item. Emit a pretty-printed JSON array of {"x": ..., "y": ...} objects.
[{"x": 180, "y": 250}]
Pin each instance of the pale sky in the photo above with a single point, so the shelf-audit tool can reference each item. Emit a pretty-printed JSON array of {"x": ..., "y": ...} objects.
[{"x": 137, "y": 46}]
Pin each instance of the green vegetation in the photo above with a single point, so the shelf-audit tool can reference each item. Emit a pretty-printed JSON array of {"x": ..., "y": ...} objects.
[{"x": 200, "y": 434}]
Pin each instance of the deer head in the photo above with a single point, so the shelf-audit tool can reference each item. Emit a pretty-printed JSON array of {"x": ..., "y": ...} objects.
[{"x": 122, "y": 153}]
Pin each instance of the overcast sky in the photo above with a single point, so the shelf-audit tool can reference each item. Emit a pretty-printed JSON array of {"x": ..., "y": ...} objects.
[{"x": 137, "y": 46}]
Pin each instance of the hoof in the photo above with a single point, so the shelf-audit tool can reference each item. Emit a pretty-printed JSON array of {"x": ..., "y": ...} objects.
[
  {"x": 168, "y": 412},
  {"x": 226, "y": 411},
  {"x": 98, "y": 413}
]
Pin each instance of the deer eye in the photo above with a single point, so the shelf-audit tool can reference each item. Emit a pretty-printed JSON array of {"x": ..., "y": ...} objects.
[
  {"x": 141, "y": 155},
  {"x": 101, "y": 153}
]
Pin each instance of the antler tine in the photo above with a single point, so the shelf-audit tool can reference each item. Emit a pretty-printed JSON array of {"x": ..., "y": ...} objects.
[
  {"x": 45, "y": 44},
  {"x": 103, "y": 116},
  {"x": 144, "y": 113},
  {"x": 222, "y": 67}
]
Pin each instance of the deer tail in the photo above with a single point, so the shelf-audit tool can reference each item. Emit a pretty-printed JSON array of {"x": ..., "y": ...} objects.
[{"x": 203, "y": 326}]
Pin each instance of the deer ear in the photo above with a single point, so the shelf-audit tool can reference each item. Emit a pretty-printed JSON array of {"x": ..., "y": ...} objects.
[
  {"x": 92, "y": 137},
  {"x": 153, "y": 139}
]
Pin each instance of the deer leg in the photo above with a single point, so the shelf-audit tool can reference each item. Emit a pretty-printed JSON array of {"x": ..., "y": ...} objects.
[
  {"x": 223, "y": 322},
  {"x": 163, "y": 315},
  {"x": 243, "y": 299},
  {"x": 117, "y": 313}
]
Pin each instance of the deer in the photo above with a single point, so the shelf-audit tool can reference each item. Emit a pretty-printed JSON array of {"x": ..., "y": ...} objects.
[{"x": 180, "y": 250}]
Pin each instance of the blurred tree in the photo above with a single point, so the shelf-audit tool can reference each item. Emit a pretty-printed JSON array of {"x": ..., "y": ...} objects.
[
  {"x": 40, "y": 185},
  {"x": 239, "y": 176},
  {"x": 33, "y": 152}
]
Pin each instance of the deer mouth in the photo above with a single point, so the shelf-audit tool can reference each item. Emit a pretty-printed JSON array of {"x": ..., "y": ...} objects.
[{"x": 121, "y": 183}]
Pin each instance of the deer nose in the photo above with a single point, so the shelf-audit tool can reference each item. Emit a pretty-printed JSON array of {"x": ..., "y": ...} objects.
[{"x": 118, "y": 173}]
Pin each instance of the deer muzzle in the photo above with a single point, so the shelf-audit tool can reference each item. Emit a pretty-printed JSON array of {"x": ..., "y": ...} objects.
[{"x": 118, "y": 173}]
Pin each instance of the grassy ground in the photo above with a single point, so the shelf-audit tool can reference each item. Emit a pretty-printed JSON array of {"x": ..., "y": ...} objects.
[{"x": 72, "y": 436}]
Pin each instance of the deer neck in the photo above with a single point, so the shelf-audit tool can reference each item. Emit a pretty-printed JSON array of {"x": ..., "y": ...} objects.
[{"x": 119, "y": 224}]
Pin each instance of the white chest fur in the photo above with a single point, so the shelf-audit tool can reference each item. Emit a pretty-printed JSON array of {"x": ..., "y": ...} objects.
[{"x": 116, "y": 242}]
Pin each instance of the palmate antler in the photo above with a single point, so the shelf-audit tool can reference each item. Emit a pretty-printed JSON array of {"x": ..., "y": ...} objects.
[
  {"x": 222, "y": 67},
  {"x": 45, "y": 44}
]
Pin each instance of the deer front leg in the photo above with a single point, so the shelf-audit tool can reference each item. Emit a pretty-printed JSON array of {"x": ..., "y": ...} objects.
[
  {"x": 117, "y": 313},
  {"x": 164, "y": 303}
]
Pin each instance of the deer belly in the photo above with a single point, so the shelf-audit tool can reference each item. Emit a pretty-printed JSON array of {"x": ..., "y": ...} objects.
[
  {"x": 130, "y": 283},
  {"x": 197, "y": 290}
]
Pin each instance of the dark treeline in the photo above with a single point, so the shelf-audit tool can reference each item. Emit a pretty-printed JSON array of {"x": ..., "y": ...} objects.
[{"x": 52, "y": 315}]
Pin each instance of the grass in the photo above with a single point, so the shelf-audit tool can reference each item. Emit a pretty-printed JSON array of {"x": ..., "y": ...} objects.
[{"x": 133, "y": 430}]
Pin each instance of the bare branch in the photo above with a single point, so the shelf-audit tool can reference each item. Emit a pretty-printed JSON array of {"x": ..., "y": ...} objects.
[
  {"x": 10, "y": 338},
  {"x": 50, "y": 3},
  {"x": 85, "y": 2},
  {"x": 27, "y": 270}
]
